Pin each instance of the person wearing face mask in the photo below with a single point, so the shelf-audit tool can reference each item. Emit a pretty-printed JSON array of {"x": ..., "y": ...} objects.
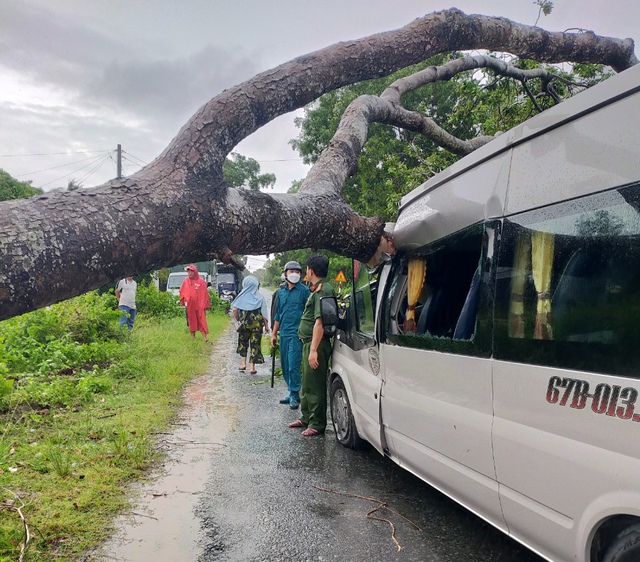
[{"x": 289, "y": 307}]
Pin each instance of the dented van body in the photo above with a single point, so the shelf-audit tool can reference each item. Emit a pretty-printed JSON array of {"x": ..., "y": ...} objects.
[{"x": 496, "y": 355}]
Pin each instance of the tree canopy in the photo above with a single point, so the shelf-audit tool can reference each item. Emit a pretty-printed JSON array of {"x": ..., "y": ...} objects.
[
  {"x": 179, "y": 208},
  {"x": 240, "y": 171},
  {"x": 394, "y": 160},
  {"x": 11, "y": 188}
]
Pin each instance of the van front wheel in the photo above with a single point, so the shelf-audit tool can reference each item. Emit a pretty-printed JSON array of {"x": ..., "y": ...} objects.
[
  {"x": 626, "y": 547},
  {"x": 343, "y": 422}
]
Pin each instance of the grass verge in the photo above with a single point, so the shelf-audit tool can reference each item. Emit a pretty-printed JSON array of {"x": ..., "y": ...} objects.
[{"x": 63, "y": 470}]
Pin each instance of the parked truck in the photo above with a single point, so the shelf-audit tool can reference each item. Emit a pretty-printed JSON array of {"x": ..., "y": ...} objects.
[
  {"x": 229, "y": 281},
  {"x": 177, "y": 274}
]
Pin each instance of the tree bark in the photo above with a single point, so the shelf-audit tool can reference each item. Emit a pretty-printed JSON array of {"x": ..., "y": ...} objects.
[{"x": 177, "y": 209}]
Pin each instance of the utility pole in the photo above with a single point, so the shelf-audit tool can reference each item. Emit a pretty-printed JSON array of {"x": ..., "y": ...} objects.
[{"x": 119, "y": 161}]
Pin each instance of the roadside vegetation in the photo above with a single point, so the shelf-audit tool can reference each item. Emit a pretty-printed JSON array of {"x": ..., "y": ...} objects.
[{"x": 81, "y": 402}]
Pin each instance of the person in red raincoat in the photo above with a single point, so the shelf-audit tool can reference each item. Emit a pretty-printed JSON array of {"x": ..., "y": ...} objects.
[{"x": 195, "y": 295}]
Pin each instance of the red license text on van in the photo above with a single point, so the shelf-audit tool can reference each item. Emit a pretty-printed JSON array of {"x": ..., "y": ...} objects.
[{"x": 611, "y": 400}]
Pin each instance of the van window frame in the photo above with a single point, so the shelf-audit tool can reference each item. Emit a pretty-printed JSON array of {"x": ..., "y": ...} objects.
[{"x": 480, "y": 343}]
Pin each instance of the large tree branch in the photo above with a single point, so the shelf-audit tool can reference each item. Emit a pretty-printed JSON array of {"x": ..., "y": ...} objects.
[
  {"x": 178, "y": 209},
  {"x": 339, "y": 160}
]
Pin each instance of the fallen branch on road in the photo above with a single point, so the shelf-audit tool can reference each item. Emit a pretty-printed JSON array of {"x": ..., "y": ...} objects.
[
  {"x": 381, "y": 505},
  {"x": 11, "y": 506}
]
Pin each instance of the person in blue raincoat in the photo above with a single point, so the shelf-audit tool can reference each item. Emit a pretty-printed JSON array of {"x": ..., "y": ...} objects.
[{"x": 291, "y": 300}]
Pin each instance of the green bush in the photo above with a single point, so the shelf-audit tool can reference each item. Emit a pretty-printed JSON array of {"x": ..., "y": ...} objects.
[
  {"x": 6, "y": 386},
  {"x": 152, "y": 302},
  {"x": 218, "y": 306},
  {"x": 64, "y": 354},
  {"x": 55, "y": 356}
]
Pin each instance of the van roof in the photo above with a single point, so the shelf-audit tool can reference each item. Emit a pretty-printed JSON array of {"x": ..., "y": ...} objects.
[{"x": 612, "y": 89}]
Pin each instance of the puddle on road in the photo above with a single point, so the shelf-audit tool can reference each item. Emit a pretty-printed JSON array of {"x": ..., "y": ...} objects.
[{"x": 162, "y": 526}]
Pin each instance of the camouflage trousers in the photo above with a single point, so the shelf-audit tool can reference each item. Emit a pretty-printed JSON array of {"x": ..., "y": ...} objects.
[{"x": 250, "y": 335}]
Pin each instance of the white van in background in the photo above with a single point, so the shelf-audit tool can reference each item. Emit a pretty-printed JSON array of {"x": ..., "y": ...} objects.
[
  {"x": 174, "y": 282},
  {"x": 175, "y": 279},
  {"x": 497, "y": 355}
]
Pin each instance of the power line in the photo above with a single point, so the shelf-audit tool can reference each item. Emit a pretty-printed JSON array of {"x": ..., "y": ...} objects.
[
  {"x": 91, "y": 172},
  {"x": 282, "y": 160},
  {"x": 135, "y": 157},
  {"x": 51, "y": 153},
  {"x": 75, "y": 171},
  {"x": 61, "y": 166}
]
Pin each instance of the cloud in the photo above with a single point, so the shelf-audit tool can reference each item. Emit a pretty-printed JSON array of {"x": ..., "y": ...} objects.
[
  {"x": 57, "y": 52},
  {"x": 76, "y": 88},
  {"x": 121, "y": 74},
  {"x": 170, "y": 89}
]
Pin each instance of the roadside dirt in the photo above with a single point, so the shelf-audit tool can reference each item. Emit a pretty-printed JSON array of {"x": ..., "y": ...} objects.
[{"x": 161, "y": 524}]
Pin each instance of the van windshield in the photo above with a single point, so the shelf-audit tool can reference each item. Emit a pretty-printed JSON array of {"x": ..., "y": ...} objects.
[
  {"x": 175, "y": 280},
  {"x": 226, "y": 278}
]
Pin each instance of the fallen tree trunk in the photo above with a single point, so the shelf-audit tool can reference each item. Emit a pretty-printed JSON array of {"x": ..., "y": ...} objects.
[{"x": 177, "y": 209}]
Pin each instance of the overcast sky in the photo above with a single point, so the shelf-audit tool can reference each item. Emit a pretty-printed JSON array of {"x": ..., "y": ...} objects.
[{"x": 78, "y": 77}]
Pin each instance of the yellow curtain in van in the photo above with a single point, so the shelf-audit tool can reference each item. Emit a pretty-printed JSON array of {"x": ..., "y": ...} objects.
[
  {"x": 542, "y": 249},
  {"x": 521, "y": 268},
  {"x": 417, "y": 274}
]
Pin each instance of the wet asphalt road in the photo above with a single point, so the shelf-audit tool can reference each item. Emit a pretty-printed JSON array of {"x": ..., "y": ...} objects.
[
  {"x": 260, "y": 504},
  {"x": 241, "y": 487}
]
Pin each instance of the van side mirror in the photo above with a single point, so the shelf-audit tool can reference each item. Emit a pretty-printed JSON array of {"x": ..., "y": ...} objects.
[{"x": 329, "y": 315}]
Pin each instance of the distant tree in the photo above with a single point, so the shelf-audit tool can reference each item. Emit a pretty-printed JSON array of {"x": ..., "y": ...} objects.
[
  {"x": 259, "y": 274},
  {"x": 240, "y": 171},
  {"x": 600, "y": 223},
  {"x": 73, "y": 185},
  {"x": 295, "y": 186},
  {"x": 274, "y": 267},
  {"x": 11, "y": 188}
]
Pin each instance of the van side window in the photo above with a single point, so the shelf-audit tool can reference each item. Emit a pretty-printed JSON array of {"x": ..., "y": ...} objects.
[
  {"x": 568, "y": 285},
  {"x": 365, "y": 291},
  {"x": 435, "y": 295}
]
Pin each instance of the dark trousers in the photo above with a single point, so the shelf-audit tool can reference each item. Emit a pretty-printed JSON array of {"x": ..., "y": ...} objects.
[
  {"x": 290, "y": 360},
  {"x": 313, "y": 395}
]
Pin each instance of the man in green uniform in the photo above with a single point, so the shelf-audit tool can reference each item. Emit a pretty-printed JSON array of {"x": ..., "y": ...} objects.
[{"x": 316, "y": 352}]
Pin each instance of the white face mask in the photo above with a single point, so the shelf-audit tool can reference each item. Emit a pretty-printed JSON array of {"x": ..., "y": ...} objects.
[{"x": 293, "y": 278}]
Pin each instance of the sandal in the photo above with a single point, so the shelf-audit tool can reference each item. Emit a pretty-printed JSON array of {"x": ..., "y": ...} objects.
[
  {"x": 253, "y": 372},
  {"x": 242, "y": 368},
  {"x": 297, "y": 423},
  {"x": 310, "y": 432}
]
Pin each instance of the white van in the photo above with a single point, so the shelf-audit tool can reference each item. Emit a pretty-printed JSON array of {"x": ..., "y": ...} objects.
[
  {"x": 174, "y": 282},
  {"x": 175, "y": 279},
  {"x": 497, "y": 355}
]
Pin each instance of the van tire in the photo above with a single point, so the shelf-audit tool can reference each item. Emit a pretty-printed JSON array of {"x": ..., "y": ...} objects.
[
  {"x": 343, "y": 423},
  {"x": 626, "y": 546}
]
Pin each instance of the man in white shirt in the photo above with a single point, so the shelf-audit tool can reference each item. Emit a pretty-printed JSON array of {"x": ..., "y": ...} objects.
[{"x": 126, "y": 295}]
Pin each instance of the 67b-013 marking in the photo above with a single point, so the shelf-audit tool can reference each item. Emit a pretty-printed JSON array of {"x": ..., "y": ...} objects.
[{"x": 611, "y": 400}]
